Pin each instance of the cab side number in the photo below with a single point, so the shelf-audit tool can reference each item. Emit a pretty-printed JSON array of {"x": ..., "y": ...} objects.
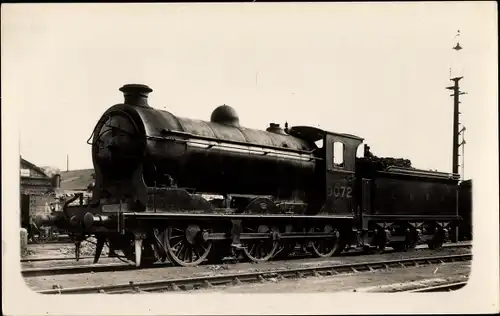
[{"x": 340, "y": 191}]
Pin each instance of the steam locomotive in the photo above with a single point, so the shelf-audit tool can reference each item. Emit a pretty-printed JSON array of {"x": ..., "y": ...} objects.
[{"x": 273, "y": 191}]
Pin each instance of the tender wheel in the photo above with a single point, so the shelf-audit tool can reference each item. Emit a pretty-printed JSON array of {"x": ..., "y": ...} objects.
[
  {"x": 329, "y": 246},
  {"x": 186, "y": 245},
  {"x": 437, "y": 240},
  {"x": 411, "y": 239},
  {"x": 260, "y": 250},
  {"x": 379, "y": 242},
  {"x": 379, "y": 248},
  {"x": 399, "y": 246},
  {"x": 409, "y": 243}
]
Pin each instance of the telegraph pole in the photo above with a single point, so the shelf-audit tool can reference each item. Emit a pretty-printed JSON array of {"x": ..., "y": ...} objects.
[
  {"x": 456, "y": 120},
  {"x": 456, "y": 123},
  {"x": 462, "y": 144}
]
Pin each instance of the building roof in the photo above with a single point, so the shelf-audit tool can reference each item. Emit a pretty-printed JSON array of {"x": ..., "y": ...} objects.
[
  {"x": 25, "y": 163},
  {"x": 77, "y": 180}
]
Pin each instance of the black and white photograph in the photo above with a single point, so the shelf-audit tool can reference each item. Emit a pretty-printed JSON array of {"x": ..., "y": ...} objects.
[{"x": 250, "y": 158}]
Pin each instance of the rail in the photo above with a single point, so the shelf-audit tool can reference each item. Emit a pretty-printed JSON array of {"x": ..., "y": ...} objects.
[{"x": 439, "y": 288}]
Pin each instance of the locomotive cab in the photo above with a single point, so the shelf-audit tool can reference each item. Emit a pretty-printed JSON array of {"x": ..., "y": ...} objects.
[
  {"x": 337, "y": 168},
  {"x": 340, "y": 160}
]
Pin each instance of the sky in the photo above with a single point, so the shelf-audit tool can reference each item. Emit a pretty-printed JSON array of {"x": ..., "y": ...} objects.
[{"x": 376, "y": 70}]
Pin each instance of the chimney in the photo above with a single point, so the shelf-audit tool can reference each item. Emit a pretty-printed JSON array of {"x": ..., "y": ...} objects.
[
  {"x": 56, "y": 181},
  {"x": 136, "y": 94}
]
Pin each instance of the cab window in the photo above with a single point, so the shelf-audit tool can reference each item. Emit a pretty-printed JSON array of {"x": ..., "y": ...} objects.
[{"x": 338, "y": 154}]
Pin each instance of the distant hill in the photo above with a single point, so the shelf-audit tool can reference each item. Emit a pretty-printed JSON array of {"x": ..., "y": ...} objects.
[{"x": 76, "y": 180}]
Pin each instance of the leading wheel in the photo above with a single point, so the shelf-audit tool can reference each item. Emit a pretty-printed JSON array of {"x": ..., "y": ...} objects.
[
  {"x": 187, "y": 245},
  {"x": 259, "y": 250}
]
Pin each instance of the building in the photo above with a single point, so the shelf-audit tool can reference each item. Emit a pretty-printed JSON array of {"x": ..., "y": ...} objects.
[{"x": 37, "y": 191}]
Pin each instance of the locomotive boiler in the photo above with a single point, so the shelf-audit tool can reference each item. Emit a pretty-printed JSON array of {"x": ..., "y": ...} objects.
[
  {"x": 282, "y": 190},
  {"x": 144, "y": 147}
]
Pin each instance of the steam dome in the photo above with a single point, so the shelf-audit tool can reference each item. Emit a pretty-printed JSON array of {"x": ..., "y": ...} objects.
[{"x": 226, "y": 115}]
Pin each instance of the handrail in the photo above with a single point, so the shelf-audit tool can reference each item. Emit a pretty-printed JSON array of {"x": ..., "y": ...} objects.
[
  {"x": 217, "y": 140},
  {"x": 436, "y": 174}
]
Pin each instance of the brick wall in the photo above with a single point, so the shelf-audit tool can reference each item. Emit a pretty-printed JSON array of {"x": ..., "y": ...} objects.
[
  {"x": 36, "y": 191},
  {"x": 39, "y": 204}
]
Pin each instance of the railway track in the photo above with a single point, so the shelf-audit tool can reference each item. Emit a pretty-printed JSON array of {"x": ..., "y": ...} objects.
[
  {"x": 106, "y": 267},
  {"x": 193, "y": 283},
  {"x": 112, "y": 267},
  {"x": 44, "y": 259},
  {"x": 59, "y": 239},
  {"x": 453, "y": 286}
]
